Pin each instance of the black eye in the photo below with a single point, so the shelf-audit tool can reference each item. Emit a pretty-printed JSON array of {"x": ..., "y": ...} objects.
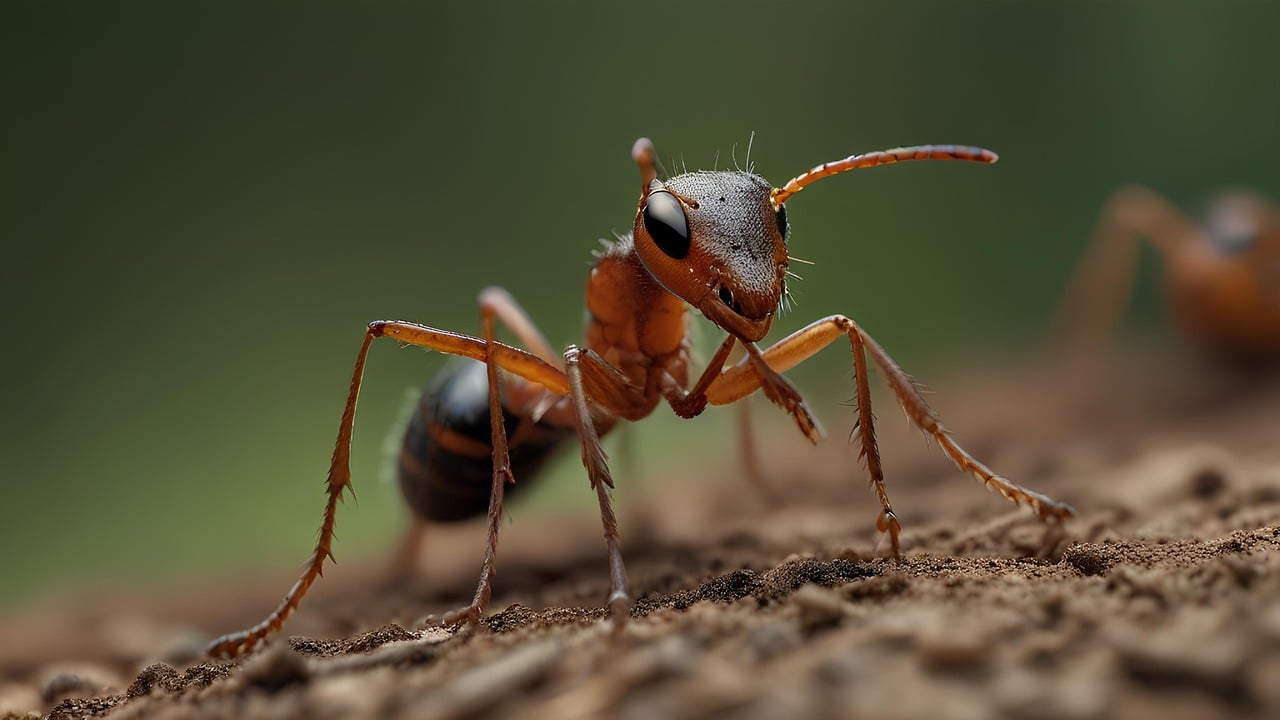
[
  {"x": 665, "y": 221},
  {"x": 782, "y": 222}
]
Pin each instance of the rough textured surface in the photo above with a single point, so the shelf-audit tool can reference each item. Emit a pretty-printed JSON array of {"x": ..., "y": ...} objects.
[{"x": 1161, "y": 599}]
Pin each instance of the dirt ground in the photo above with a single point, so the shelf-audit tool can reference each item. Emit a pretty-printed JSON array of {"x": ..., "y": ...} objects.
[{"x": 1161, "y": 599}]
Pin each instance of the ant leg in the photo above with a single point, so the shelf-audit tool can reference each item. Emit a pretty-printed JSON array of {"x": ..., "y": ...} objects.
[
  {"x": 608, "y": 388},
  {"x": 499, "y": 302},
  {"x": 864, "y": 426},
  {"x": 513, "y": 360},
  {"x": 690, "y": 403},
  {"x": 787, "y": 397},
  {"x": 508, "y": 312},
  {"x": 782, "y": 393},
  {"x": 519, "y": 362},
  {"x": 741, "y": 380},
  {"x": 750, "y": 452},
  {"x": 409, "y": 554},
  {"x": 777, "y": 388},
  {"x": 472, "y": 613},
  {"x": 1094, "y": 299},
  {"x": 751, "y": 465}
]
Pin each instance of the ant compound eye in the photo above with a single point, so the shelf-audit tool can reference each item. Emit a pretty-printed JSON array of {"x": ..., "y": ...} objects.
[
  {"x": 782, "y": 222},
  {"x": 665, "y": 221}
]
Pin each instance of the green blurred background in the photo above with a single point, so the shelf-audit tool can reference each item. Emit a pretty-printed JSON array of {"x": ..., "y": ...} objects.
[{"x": 201, "y": 205}]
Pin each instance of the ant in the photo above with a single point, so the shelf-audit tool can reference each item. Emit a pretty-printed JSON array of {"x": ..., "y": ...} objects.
[
  {"x": 716, "y": 241},
  {"x": 1222, "y": 278}
]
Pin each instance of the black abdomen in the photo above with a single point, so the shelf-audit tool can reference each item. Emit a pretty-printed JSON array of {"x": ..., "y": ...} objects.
[{"x": 446, "y": 462}]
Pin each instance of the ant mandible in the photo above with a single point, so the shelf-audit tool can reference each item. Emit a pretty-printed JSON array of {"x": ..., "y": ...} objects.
[
  {"x": 716, "y": 241},
  {"x": 1222, "y": 277}
]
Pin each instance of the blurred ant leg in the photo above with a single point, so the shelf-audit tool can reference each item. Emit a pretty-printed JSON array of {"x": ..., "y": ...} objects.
[
  {"x": 523, "y": 364},
  {"x": 1095, "y": 297},
  {"x": 472, "y": 613},
  {"x": 498, "y": 301},
  {"x": 590, "y": 376},
  {"x": 741, "y": 380},
  {"x": 409, "y": 555},
  {"x": 752, "y": 467},
  {"x": 690, "y": 403}
]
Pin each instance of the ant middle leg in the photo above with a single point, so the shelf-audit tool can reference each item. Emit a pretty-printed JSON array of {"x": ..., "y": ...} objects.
[
  {"x": 779, "y": 390},
  {"x": 502, "y": 475},
  {"x": 593, "y": 381}
]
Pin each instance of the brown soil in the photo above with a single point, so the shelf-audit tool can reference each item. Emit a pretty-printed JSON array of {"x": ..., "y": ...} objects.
[{"x": 1161, "y": 599}]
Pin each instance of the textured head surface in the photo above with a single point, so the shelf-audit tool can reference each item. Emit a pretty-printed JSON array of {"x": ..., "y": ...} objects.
[{"x": 735, "y": 261}]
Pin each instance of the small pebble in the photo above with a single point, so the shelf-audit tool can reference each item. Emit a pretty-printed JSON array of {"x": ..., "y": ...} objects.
[{"x": 819, "y": 608}]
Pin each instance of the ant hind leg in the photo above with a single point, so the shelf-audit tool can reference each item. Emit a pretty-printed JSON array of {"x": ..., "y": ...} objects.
[{"x": 495, "y": 354}]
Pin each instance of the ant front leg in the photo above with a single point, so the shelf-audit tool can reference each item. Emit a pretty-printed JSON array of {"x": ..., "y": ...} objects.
[
  {"x": 777, "y": 388},
  {"x": 495, "y": 354},
  {"x": 741, "y": 380},
  {"x": 783, "y": 393}
]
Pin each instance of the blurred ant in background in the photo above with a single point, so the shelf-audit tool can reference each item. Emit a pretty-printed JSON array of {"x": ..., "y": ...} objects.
[{"x": 1222, "y": 277}]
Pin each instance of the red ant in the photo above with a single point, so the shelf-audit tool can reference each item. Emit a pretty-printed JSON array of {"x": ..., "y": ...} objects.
[
  {"x": 1222, "y": 278},
  {"x": 716, "y": 241}
]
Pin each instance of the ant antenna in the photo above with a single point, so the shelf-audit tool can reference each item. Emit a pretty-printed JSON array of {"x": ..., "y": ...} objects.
[
  {"x": 642, "y": 153},
  {"x": 779, "y": 196}
]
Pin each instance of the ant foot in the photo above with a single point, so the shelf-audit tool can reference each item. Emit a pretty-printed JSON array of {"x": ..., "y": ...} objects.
[
  {"x": 466, "y": 617},
  {"x": 619, "y": 611},
  {"x": 888, "y": 524}
]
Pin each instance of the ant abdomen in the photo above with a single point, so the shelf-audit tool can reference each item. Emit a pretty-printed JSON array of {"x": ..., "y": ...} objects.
[{"x": 446, "y": 461}]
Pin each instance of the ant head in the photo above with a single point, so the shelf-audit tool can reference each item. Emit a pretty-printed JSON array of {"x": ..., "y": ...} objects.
[
  {"x": 1241, "y": 221},
  {"x": 714, "y": 240},
  {"x": 718, "y": 240}
]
